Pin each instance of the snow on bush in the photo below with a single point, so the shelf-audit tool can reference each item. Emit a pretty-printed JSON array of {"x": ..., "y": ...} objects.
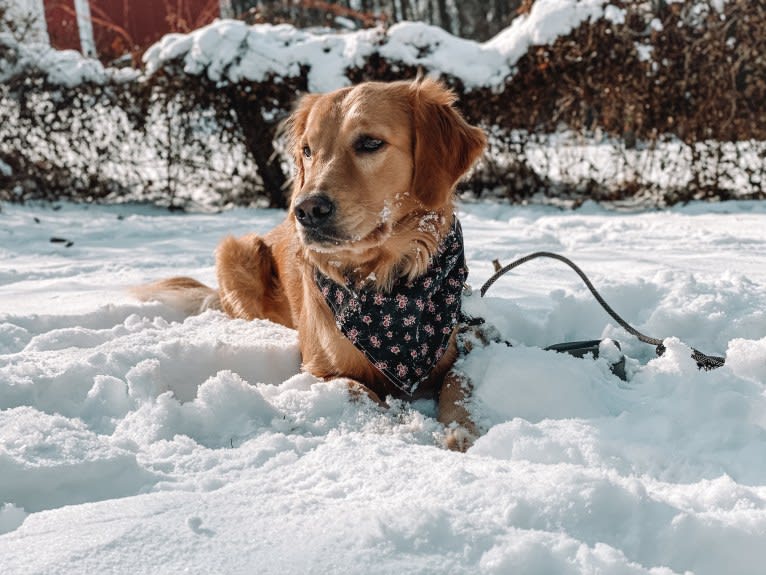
[
  {"x": 234, "y": 52},
  {"x": 231, "y": 50}
]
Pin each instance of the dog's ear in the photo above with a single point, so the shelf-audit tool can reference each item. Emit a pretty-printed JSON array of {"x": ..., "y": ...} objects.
[
  {"x": 445, "y": 147},
  {"x": 295, "y": 127}
]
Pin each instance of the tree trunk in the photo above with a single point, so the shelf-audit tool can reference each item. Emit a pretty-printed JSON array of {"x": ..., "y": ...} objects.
[
  {"x": 259, "y": 140},
  {"x": 442, "y": 16},
  {"x": 405, "y": 9}
]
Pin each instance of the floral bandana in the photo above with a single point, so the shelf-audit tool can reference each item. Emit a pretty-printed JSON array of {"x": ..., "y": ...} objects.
[{"x": 404, "y": 333}]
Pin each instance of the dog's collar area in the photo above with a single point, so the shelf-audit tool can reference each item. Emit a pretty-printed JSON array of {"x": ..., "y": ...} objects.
[{"x": 404, "y": 332}]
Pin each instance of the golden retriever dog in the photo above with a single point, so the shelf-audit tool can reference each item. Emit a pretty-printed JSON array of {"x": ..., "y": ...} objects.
[{"x": 368, "y": 265}]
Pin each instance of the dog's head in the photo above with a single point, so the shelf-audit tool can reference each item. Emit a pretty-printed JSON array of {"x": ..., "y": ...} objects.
[{"x": 377, "y": 166}]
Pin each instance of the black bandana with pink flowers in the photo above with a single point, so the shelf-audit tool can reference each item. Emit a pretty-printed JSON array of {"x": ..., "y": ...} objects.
[{"x": 404, "y": 333}]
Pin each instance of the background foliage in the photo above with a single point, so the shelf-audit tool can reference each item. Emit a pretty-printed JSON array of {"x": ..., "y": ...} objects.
[{"x": 678, "y": 88}]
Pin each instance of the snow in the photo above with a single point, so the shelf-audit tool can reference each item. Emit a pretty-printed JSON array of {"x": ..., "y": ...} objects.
[
  {"x": 135, "y": 440},
  {"x": 228, "y": 50},
  {"x": 62, "y": 67},
  {"x": 29, "y": 15},
  {"x": 5, "y": 169},
  {"x": 231, "y": 51}
]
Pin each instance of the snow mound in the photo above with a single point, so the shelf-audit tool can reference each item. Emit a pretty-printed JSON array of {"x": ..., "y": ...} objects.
[{"x": 135, "y": 439}]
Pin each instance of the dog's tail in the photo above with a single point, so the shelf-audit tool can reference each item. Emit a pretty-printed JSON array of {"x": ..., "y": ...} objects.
[{"x": 184, "y": 294}]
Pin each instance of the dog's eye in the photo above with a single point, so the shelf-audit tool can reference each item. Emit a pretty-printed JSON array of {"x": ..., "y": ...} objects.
[
  {"x": 368, "y": 145},
  {"x": 306, "y": 151}
]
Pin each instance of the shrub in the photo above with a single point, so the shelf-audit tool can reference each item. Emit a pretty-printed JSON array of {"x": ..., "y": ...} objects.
[{"x": 655, "y": 105}]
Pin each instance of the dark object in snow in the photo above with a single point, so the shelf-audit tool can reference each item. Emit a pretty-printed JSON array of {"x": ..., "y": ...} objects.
[
  {"x": 583, "y": 348},
  {"x": 476, "y": 331},
  {"x": 704, "y": 361},
  {"x": 67, "y": 243}
]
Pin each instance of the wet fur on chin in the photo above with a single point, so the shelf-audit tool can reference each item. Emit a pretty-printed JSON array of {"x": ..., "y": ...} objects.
[{"x": 405, "y": 253}]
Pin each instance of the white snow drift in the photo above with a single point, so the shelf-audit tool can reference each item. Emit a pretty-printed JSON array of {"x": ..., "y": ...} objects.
[{"x": 134, "y": 440}]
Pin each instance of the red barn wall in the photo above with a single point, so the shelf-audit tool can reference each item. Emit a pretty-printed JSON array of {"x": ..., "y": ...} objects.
[
  {"x": 127, "y": 26},
  {"x": 62, "y": 24}
]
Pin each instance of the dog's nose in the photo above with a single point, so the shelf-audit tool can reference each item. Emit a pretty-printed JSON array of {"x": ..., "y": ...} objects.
[{"x": 313, "y": 211}]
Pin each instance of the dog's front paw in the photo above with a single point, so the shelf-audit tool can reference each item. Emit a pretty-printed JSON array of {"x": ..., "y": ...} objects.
[
  {"x": 358, "y": 391},
  {"x": 458, "y": 438}
]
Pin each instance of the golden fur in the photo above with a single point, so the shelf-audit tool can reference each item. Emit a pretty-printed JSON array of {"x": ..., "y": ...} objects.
[{"x": 386, "y": 158}]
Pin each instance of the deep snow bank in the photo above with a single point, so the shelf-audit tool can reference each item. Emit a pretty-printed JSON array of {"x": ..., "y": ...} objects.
[{"x": 134, "y": 439}]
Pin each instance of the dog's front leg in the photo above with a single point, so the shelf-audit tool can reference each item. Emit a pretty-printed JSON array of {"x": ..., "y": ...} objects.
[
  {"x": 457, "y": 387},
  {"x": 358, "y": 391},
  {"x": 461, "y": 430},
  {"x": 248, "y": 280}
]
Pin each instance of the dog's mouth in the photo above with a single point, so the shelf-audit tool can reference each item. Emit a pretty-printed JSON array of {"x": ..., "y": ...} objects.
[
  {"x": 321, "y": 240},
  {"x": 332, "y": 241}
]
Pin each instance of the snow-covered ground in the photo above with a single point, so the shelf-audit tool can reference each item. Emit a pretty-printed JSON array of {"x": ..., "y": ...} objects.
[{"x": 136, "y": 441}]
